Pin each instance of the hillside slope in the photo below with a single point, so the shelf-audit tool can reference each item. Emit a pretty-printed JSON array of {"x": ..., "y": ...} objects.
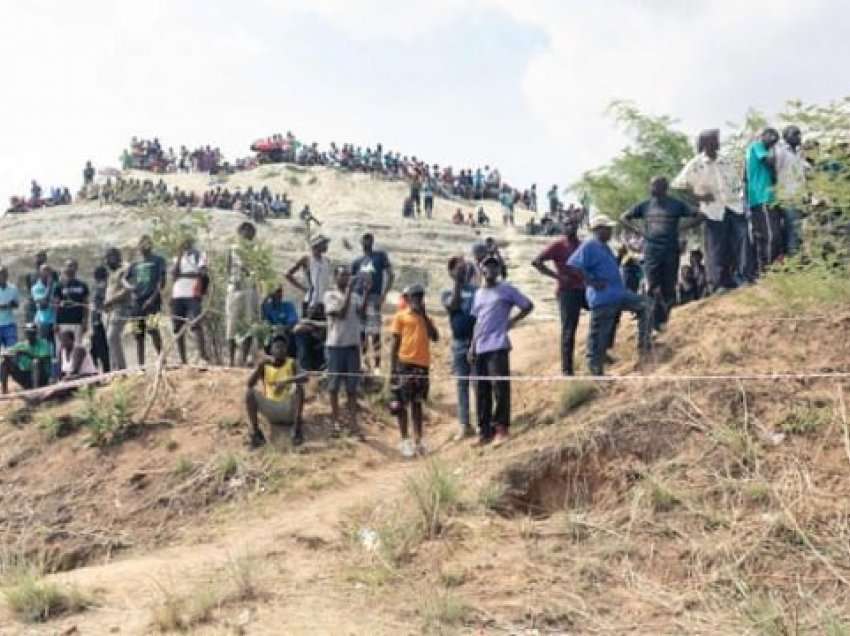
[{"x": 661, "y": 505}]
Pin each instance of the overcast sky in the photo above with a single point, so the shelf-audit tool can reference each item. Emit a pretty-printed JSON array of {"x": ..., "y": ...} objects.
[{"x": 521, "y": 84}]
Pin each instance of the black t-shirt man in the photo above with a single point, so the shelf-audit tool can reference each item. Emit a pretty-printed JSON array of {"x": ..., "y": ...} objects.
[{"x": 72, "y": 296}]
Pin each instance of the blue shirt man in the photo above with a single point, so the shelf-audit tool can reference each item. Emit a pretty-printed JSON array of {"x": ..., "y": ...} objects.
[
  {"x": 607, "y": 296},
  {"x": 458, "y": 302}
]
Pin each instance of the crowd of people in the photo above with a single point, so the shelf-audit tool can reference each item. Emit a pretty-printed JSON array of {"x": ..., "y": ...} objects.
[
  {"x": 337, "y": 330},
  {"x": 37, "y": 198},
  {"x": 150, "y": 155}
]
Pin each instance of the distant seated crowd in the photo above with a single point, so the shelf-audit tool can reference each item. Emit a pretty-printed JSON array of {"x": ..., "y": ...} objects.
[
  {"x": 150, "y": 155},
  {"x": 37, "y": 199},
  {"x": 479, "y": 183}
]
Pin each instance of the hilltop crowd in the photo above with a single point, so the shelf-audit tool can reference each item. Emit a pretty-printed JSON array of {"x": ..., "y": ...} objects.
[{"x": 151, "y": 156}]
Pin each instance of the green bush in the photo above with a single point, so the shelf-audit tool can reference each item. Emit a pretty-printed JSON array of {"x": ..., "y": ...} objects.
[
  {"x": 33, "y": 600},
  {"x": 574, "y": 395},
  {"x": 435, "y": 493}
]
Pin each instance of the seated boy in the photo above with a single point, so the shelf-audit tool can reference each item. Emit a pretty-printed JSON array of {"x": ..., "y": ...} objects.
[
  {"x": 28, "y": 363},
  {"x": 281, "y": 401}
]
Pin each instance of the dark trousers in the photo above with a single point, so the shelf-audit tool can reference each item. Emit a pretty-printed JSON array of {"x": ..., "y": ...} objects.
[
  {"x": 766, "y": 222},
  {"x": 741, "y": 247},
  {"x": 493, "y": 364},
  {"x": 661, "y": 267},
  {"x": 719, "y": 255},
  {"x": 570, "y": 302},
  {"x": 604, "y": 319},
  {"x": 100, "y": 348}
]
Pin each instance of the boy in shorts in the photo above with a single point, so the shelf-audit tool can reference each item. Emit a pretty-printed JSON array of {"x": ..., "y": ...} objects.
[{"x": 413, "y": 332}]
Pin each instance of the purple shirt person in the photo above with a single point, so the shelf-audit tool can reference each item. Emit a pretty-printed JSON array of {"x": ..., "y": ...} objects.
[{"x": 490, "y": 350}]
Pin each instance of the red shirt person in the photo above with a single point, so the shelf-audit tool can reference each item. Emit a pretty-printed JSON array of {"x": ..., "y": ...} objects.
[{"x": 569, "y": 289}]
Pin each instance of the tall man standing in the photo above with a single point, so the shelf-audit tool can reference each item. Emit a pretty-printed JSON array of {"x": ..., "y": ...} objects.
[
  {"x": 491, "y": 348},
  {"x": 715, "y": 184},
  {"x": 606, "y": 294},
  {"x": 661, "y": 215},
  {"x": 317, "y": 274},
  {"x": 242, "y": 303},
  {"x": 9, "y": 301},
  {"x": 458, "y": 303},
  {"x": 791, "y": 168},
  {"x": 116, "y": 305},
  {"x": 765, "y": 218},
  {"x": 569, "y": 289},
  {"x": 189, "y": 272},
  {"x": 71, "y": 297},
  {"x": 374, "y": 279},
  {"x": 145, "y": 278}
]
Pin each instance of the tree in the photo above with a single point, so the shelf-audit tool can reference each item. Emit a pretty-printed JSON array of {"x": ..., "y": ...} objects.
[{"x": 657, "y": 148}]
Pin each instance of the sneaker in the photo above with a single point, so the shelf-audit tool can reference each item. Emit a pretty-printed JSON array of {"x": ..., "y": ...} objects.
[
  {"x": 257, "y": 439},
  {"x": 501, "y": 437},
  {"x": 407, "y": 449},
  {"x": 421, "y": 449}
]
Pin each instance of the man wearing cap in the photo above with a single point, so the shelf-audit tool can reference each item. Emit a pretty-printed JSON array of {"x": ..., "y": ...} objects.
[
  {"x": 316, "y": 270},
  {"x": 28, "y": 362},
  {"x": 569, "y": 290},
  {"x": 375, "y": 267},
  {"x": 458, "y": 304},
  {"x": 9, "y": 302},
  {"x": 491, "y": 347},
  {"x": 242, "y": 305},
  {"x": 715, "y": 184},
  {"x": 606, "y": 294},
  {"x": 413, "y": 331},
  {"x": 661, "y": 215}
]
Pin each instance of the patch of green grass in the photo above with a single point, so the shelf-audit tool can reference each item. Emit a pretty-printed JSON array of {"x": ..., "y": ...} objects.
[
  {"x": 227, "y": 466},
  {"x": 491, "y": 494},
  {"x": 56, "y": 426},
  {"x": 798, "y": 291},
  {"x": 574, "y": 395},
  {"x": 107, "y": 420},
  {"x": 184, "y": 467},
  {"x": 663, "y": 498},
  {"x": 444, "y": 609},
  {"x": 435, "y": 491},
  {"x": 33, "y": 600},
  {"x": 804, "y": 419},
  {"x": 766, "y": 616},
  {"x": 757, "y": 492}
]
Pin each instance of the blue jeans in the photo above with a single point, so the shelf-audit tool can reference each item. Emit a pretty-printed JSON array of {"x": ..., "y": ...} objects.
[
  {"x": 602, "y": 321},
  {"x": 460, "y": 367}
]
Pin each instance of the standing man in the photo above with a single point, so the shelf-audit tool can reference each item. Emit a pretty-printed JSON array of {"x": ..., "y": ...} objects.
[
  {"x": 88, "y": 174},
  {"x": 30, "y": 280},
  {"x": 791, "y": 168},
  {"x": 189, "y": 273},
  {"x": 116, "y": 305},
  {"x": 9, "y": 302},
  {"x": 42, "y": 295},
  {"x": 99, "y": 343},
  {"x": 145, "y": 279},
  {"x": 661, "y": 215},
  {"x": 569, "y": 289},
  {"x": 765, "y": 217},
  {"x": 413, "y": 331},
  {"x": 714, "y": 183},
  {"x": 554, "y": 203},
  {"x": 316, "y": 270},
  {"x": 458, "y": 304},
  {"x": 242, "y": 301},
  {"x": 345, "y": 310},
  {"x": 374, "y": 279},
  {"x": 71, "y": 298},
  {"x": 606, "y": 294},
  {"x": 491, "y": 349},
  {"x": 428, "y": 197}
]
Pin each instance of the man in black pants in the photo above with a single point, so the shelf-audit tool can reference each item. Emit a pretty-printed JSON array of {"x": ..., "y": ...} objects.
[
  {"x": 99, "y": 343},
  {"x": 490, "y": 349},
  {"x": 661, "y": 215},
  {"x": 570, "y": 288}
]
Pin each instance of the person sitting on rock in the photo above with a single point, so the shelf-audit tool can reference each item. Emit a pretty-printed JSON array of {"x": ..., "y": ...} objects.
[
  {"x": 28, "y": 362},
  {"x": 281, "y": 401}
]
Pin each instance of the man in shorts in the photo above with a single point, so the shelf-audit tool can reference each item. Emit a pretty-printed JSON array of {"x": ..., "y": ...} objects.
[
  {"x": 145, "y": 279},
  {"x": 345, "y": 311},
  {"x": 281, "y": 401},
  {"x": 189, "y": 273},
  {"x": 413, "y": 331},
  {"x": 28, "y": 362},
  {"x": 242, "y": 305},
  {"x": 375, "y": 268}
]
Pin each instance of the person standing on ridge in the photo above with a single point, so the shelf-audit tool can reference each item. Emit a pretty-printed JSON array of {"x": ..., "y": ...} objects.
[
  {"x": 714, "y": 182},
  {"x": 413, "y": 331},
  {"x": 765, "y": 218},
  {"x": 791, "y": 169},
  {"x": 9, "y": 302},
  {"x": 189, "y": 273},
  {"x": 458, "y": 304},
  {"x": 71, "y": 298},
  {"x": 145, "y": 279},
  {"x": 316, "y": 270},
  {"x": 607, "y": 296},
  {"x": 242, "y": 303},
  {"x": 117, "y": 307},
  {"x": 569, "y": 289},
  {"x": 491, "y": 348},
  {"x": 661, "y": 215},
  {"x": 375, "y": 267}
]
